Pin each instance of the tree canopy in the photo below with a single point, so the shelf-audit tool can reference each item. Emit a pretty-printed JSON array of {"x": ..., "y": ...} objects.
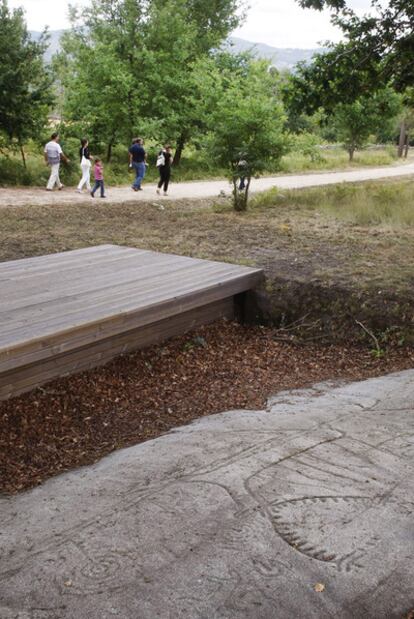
[
  {"x": 247, "y": 127},
  {"x": 381, "y": 43},
  {"x": 136, "y": 64},
  {"x": 25, "y": 83}
]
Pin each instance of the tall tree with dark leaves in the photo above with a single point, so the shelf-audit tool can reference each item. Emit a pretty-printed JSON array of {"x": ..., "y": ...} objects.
[
  {"x": 130, "y": 65},
  {"x": 386, "y": 35},
  {"x": 25, "y": 83}
]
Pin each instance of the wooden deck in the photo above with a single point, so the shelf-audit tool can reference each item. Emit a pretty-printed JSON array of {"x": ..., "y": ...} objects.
[{"x": 72, "y": 311}]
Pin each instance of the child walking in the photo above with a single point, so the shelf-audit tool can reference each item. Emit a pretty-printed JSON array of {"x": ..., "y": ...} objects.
[{"x": 99, "y": 179}]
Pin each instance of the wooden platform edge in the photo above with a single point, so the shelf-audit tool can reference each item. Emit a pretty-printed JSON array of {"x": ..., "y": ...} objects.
[
  {"x": 26, "y": 378},
  {"x": 47, "y": 347}
]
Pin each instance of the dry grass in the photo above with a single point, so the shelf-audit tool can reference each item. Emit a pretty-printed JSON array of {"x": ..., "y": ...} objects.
[
  {"x": 387, "y": 203},
  {"x": 337, "y": 159}
]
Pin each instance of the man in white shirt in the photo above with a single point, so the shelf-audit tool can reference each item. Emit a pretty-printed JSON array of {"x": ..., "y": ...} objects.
[{"x": 53, "y": 156}]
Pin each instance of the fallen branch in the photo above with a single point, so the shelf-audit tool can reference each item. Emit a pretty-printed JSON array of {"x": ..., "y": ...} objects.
[{"x": 378, "y": 348}]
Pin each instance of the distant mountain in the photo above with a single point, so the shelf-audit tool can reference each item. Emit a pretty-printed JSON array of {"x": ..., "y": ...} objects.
[
  {"x": 54, "y": 41},
  {"x": 282, "y": 58}
]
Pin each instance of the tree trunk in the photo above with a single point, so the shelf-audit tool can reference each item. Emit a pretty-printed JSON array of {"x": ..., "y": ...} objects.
[
  {"x": 179, "y": 150},
  {"x": 351, "y": 152},
  {"x": 109, "y": 151},
  {"x": 240, "y": 197},
  {"x": 235, "y": 194},
  {"x": 23, "y": 154},
  {"x": 246, "y": 193},
  {"x": 401, "y": 143},
  {"x": 407, "y": 146}
]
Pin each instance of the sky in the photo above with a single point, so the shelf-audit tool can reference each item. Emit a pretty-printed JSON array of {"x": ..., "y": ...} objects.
[{"x": 280, "y": 23}]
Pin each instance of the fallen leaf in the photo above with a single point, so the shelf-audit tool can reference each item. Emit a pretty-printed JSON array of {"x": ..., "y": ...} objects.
[{"x": 319, "y": 587}]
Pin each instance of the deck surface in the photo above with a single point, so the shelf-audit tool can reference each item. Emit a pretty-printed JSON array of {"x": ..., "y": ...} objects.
[{"x": 54, "y": 304}]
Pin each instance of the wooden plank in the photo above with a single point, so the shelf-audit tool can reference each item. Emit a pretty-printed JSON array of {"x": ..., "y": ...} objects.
[
  {"x": 69, "y": 312},
  {"x": 73, "y": 310},
  {"x": 31, "y": 285},
  {"x": 60, "y": 258},
  {"x": 28, "y": 377},
  {"x": 41, "y": 348},
  {"x": 69, "y": 287},
  {"x": 85, "y": 283}
]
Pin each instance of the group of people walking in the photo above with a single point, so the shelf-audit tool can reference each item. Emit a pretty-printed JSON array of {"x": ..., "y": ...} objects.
[{"x": 54, "y": 155}]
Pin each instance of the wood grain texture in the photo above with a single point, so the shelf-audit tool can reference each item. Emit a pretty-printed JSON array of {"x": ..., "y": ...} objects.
[{"x": 74, "y": 310}]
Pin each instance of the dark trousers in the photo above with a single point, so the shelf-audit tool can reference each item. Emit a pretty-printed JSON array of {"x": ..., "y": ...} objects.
[
  {"x": 96, "y": 186},
  {"x": 165, "y": 175}
]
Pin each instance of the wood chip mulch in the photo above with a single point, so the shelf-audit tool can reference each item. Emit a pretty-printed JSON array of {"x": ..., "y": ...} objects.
[{"x": 77, "y": 420}]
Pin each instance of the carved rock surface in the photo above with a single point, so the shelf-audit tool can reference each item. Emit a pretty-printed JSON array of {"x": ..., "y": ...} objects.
[{"x": 237, "y": 516}]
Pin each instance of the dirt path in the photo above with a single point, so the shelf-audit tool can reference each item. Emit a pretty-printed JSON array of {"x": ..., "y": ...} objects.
[{"x": 201, "y": 189}]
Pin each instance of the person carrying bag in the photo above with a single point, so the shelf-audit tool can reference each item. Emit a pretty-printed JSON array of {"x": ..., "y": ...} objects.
[
  {"x": 164, "y": 161},
  {"x": 85, "y": 164}
]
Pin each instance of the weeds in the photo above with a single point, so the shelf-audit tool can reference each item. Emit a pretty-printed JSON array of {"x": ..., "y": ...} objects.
[
  {"x": 330, "y": 159},
  {"x": 366, "y": 204}
]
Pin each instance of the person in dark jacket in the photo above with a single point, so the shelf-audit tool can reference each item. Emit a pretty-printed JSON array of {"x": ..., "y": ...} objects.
[
  {"x": 164, "y": 162},
  {"x": 137, "y": 161}
]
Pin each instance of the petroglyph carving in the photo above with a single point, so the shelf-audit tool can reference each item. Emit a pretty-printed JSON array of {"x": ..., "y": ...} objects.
[{"x": 310, "y": 525}]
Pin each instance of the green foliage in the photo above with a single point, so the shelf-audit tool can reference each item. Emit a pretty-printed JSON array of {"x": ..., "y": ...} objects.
[
  {"x": 134, "y": 68},
  {"x": 25, "y": 83},
  {"x": 247, "y": 127},
  {"x": 309, "y": 144},
  {"x": 382, "y": 44},
  {"x": 355, "y": 122}
]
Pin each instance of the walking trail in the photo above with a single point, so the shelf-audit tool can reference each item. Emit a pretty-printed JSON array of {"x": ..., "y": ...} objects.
[{"x": 200, "y": 189}]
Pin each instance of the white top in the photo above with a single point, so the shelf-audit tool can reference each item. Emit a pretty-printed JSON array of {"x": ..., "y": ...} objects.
[{"x": 53, "y": 151}]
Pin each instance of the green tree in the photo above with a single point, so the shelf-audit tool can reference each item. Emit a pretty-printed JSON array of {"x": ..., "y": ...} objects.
[
  {"x": 97, "y": 99},
  {"x": 247, "y": 129},
  {"x": 25, "y": 83},
  {"x": 185, "y": 33},
  {"x": 333, "y": 77},
  {"x": 141, "y": 56},
  {"x": 355, "y": 122},
  {"x": 382, "y": 43},
  {"x": 100, "y": 68}
]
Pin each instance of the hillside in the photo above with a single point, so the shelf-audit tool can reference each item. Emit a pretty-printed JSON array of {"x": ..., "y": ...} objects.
[{"x": 282, "y": 58}]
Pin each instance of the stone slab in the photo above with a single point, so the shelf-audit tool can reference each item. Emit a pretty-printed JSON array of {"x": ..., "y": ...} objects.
[{"x": 236, "y": 516}]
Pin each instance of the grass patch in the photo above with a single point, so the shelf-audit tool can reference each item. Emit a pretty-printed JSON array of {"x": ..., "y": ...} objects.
[
  {"x": 358, "y": 235},
  {"x": 371, "y": 204},
  {"x": 337, "y": 158}
]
